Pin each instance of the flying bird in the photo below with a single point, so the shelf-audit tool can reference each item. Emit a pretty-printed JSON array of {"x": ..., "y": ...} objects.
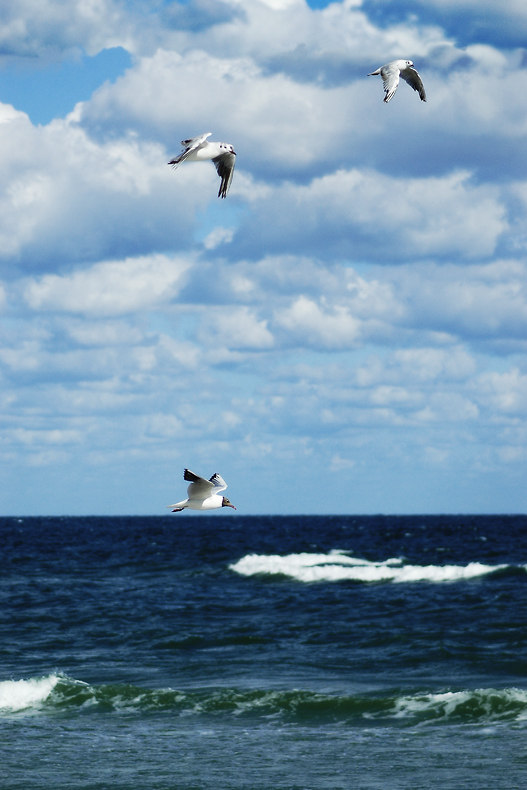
[
  {"x": 198, "y": 149},
  {"x": 390, "y": 78},
  {"x": 203, "y": 494}
]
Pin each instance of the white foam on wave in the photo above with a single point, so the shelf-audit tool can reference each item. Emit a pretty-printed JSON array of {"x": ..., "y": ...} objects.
[
  {"x": 490, "y": 704},
  {"x": 338, "y": 566},
  {"x": 18, "y": 695}
]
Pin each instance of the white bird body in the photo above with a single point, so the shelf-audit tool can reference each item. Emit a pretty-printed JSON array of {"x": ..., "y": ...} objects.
[
  {"x": 199, "y": 149},
  {"x": 390, "y": 74},
  {"x": 203, "y": 494}
]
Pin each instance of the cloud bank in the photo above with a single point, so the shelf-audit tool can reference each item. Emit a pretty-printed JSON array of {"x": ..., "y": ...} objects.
[{"x": 352, "y": 318}]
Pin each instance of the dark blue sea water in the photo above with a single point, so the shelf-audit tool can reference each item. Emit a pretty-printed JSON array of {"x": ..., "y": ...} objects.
[{"x": 210, "y": 652}]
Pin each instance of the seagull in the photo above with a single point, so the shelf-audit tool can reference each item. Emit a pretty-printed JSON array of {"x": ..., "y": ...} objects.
[
  {"x": 390, "y": 78},
  {"x": 197, "y": 149},
  {"x": 203, "y": 494}
]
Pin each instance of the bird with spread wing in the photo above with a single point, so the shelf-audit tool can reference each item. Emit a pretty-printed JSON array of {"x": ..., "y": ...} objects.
[
  {"x": 203, "y": 494},
  {"x": 199, "y": 149}
]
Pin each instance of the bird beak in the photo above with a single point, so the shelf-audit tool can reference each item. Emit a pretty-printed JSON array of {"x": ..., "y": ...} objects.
[{"x": 232, "y": 507}]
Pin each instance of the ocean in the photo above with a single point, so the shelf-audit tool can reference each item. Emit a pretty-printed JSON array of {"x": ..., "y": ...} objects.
[{"x": 210, "y": 652}]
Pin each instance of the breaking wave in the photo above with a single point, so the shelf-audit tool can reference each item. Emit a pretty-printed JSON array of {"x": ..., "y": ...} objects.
[
  {"x": 60, "y": 694},
  {"x": 17, "y": 695},
  {"x": 339, "y": 566}
]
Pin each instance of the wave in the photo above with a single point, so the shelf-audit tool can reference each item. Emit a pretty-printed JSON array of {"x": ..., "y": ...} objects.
[
  {"x": 477, "y": 706},
  {"x": 17, "y": 695},
  {"x": 338, "y": 566},
  {"x": 61, "y": 694}
]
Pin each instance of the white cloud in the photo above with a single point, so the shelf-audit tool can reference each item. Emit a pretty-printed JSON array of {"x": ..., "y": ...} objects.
[
  {"x": 266, "y": 30},
  {"x": 66, "y": 197},
  {"x": 438, "y": 306},
  {"x": 429, "y": 364},
  {"x": 139, "y": 310},
  {"x": 237, "y": 328},
  {"x": 23, "y": 357},
  {"x": 479, "y": 302},
  {"x": 315, "y": 324},
  {"x": 46, "y": 436},
  {"x": 369, "y": 215},
  {"x": 102, "y": 333},
  {"x": 418, "y": 366},
  {"x": 447, "y": 407},
  {"x": 3, "y": 297},
  {"x": 218, "y": 236},
  {"x": 472, "y": 20},
  {"x": 45, "y": 28},
  {"x": 513, "y": 8},
  {"x": 339, "y": 464},
  {"x": 506, "y": 392},
  {"x": 169, "y": 91},
  {"x": 110, "y": 288}
]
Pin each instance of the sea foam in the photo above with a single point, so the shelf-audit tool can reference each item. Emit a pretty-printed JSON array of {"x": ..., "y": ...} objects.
[
  {"x": 62, "y": 694},
  {"x": 477, "y": 705},
  {"x": 338, "y": 566},
  {"x": 18, "y": 695}
]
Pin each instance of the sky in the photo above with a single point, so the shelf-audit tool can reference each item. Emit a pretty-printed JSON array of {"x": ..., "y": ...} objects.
[{"x": 344, "y": 333}]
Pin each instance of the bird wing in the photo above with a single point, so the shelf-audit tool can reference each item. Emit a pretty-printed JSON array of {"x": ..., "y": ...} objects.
[
  {"x": 414, "y": 80},
  {"x": 225, "y": 167},
  {"x": 218, "y": 482},
  {"x": 199, "y": 488},
  {"x": 390, "y": 80},
  {"x": 195, "y": 142},
  {"x": 190, "y": 145}
]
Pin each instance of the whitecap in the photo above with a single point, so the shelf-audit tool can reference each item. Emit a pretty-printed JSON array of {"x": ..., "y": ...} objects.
[
  {"x": 474, "y": 704},
  {"x": 338, "y": 566},
  {"x": 17, "y": 695}
]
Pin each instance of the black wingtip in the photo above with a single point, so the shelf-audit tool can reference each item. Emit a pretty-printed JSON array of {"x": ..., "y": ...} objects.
[{"x": 190, "y": 476}]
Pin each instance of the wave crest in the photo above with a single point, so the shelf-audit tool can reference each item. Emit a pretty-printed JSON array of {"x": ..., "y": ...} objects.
[
  {"x": 60, "y": 694},
  {"x": 338, "y": 566},
  {"x": 19, "y": 695}
]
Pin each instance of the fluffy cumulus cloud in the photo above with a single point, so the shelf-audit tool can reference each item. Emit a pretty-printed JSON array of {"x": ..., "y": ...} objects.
[
  {"x": 354, "y": 312},
  {"x": 29, "y": 28},
  {"x": 367, "y": 215},
  {"x": 67, "y": 198},
  {"x": 505, "y": 24},
  {"x": 109, "y": 288}
]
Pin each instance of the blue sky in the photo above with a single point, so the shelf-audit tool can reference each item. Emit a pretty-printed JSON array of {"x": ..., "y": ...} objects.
[{"x": 345, "y": 333}]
